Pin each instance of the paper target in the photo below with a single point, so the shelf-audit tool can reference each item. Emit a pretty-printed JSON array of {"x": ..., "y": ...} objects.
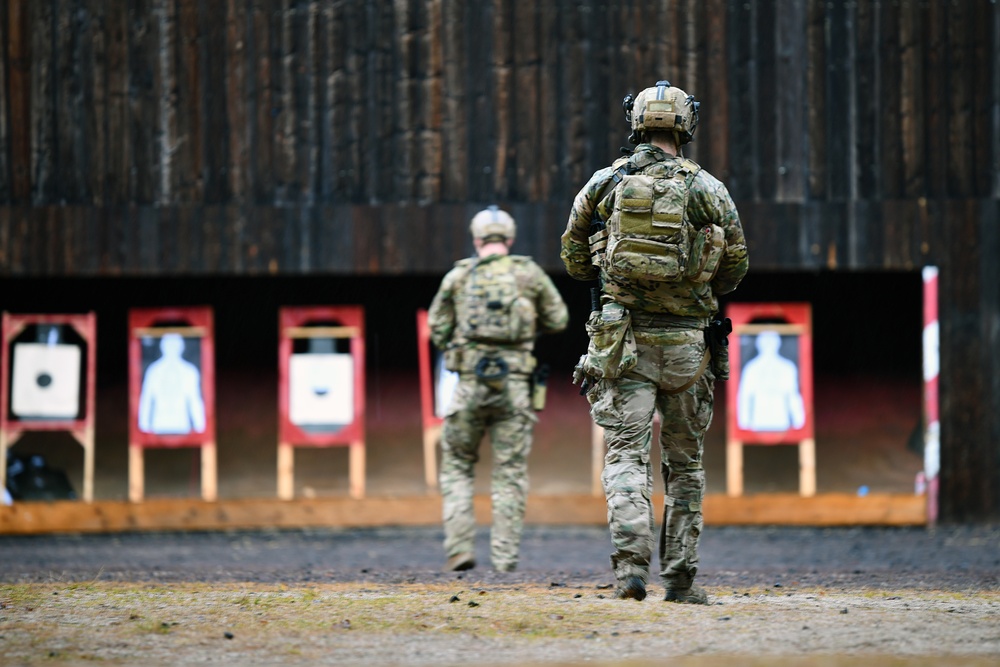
[
  {"x": 46, "y": 381},
  {"x": 321, "y": 389}
]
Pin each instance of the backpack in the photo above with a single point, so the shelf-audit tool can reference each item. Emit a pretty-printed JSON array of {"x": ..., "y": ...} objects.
[
  {"x": 495, "y": 310},
  {"x": 648, "y": 234}
]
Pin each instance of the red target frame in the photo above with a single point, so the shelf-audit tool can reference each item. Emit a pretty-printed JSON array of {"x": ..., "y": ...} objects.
[
  {"x": 432, "y": 424},
  {"x": 82, "y": 429},
  {"x": 189, "y": 322},
  {"x": 301, "y": 322},
  {"x": 786, "y": 319}
]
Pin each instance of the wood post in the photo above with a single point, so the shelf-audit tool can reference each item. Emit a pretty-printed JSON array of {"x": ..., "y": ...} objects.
[
  {"x": 597, "y": 451},
  {"x": 432, "y": 436},
  {"x": 807, "y": 468},
  {"x": 136, "y": 478},
  {"x": 357, "y": 469},
  {"x": 209, "y": 485},
  {"x": 286, "y": 471},
  {"x": 734, "y": 468}
]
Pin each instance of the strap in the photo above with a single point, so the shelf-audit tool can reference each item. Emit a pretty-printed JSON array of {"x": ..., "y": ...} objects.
[{"x": 697, "y": 374}]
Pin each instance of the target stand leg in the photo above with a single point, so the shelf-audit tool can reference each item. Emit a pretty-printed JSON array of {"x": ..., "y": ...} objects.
[
  {"x": 357, "y": 469},
  {"x": 734, "y": 468},
  {"x": 431, "y": 437},
  {"x": 136, "y": 478},
  {"x": 286, "y": 471},
  {"x": 209, "y": 476},
  {"x": 807, "y": 468}
]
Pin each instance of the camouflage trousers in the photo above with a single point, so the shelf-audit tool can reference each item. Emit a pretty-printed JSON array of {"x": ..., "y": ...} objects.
[
  {"x": 478, "y": 408},
  {"x": 624, "y": 407}
]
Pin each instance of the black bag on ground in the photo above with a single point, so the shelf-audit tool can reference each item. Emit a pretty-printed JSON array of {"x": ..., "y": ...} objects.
[{"x": 29, "y": 477}]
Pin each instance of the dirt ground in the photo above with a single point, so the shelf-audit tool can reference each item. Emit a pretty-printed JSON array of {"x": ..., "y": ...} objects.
[{"x": 779, "y": 596}]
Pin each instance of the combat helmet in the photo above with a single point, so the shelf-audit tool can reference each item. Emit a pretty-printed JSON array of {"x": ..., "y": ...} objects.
[
  {"x": 492, "y": 224},
  {"x": 662, "y": 108}
]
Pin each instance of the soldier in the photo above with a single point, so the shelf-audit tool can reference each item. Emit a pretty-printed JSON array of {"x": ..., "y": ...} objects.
[
  {"x": 485, "y": 317},
  {"x": 667, "y": 241}
]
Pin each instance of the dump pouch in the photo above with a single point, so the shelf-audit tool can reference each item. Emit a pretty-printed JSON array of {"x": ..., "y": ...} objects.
[
  {"x": 612, "y": 350},
  {"x": 717, "y": 337}
]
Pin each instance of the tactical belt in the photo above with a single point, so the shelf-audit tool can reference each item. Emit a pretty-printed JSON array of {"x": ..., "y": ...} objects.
[{"x": 647, "y": 320}]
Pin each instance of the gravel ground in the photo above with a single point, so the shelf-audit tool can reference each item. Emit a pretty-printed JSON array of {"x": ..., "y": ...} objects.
[
  {"x": 955, "y": 558},
  {"x": 780, "y": 596}
]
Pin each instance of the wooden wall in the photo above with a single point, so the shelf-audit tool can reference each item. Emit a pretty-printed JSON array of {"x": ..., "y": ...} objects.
[{"x": 174, "y": 137}]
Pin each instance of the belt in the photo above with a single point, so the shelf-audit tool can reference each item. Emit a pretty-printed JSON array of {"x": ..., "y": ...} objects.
[{"x": 645, "y": 320}]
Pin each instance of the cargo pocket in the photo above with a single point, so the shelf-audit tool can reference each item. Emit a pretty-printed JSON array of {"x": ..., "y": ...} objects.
[
  {"x": 612, "y": 350},
  {"x": 707, "y": 247}
]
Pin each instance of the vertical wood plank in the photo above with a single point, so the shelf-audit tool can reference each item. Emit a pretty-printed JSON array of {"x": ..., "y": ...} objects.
[
  {"x": 742, "y": 118},
  {"x": 96, "y": 99},
  {"x": 868, "y": 96},
  {"x": 995, "y": 103},
  {"x": 214, "y": 110},
  {"x": 190, "y": 146},
  {"x": 42, "y": 110},
  {"x": 455, "y": 103},
  {"x": 502, "y": 98},
  {"x": 984, "y": 95},
  {"x": 526, "y": 100},
  {"x": 262, "y": 144},
  {"x": 789, "y": 117},
  {"x": 766, "y": 112},
  {"x": 935, "y": 97},
  {"x": 143, "y": 113},
  {"x": 960, "y": 100},
  {"x": 165, "y": 12},
  {"x": 432, "y": 96},
  {"x": 237, "y": 98},
  {"x": 839, "y": 112},
  {"x": 548, "y": 121},
  {"x": 480, "y": 79},
  {"x": 5, "y": 148},
  {"x": 404, "y": 99},
  {"x": 331, "y": 48},
  {"x": 715, "y": 109},
  {"x": 816, "y": 97},
  {"x": 69, "y": 111},
  {"x": 692, "y": 58},
  {"x": 892, "y": 172},
  {"x": 305, "y": 96},
  {"x": 19, "y": 74},
  {"x": 912, "y": 99}
]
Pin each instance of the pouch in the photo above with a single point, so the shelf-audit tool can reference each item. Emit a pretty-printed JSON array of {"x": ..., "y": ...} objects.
[
  {"x": 707, "y": 247},
  {"x": 612, "y": 350}
]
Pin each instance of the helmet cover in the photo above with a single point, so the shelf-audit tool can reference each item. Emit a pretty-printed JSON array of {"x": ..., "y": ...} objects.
[
  {"x": 664, "y": 108},
  {"x": 492, "y": 223}
]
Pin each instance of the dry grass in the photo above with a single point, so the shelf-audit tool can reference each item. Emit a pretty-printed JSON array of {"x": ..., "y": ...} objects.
[{"x": 359, "y": 623}]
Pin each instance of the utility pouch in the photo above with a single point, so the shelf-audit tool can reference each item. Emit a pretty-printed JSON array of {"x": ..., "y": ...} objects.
[
  {"x": 492, "y": 371},
  {"x": 612, "y": 350},
  {"x": 539, "y": 380},
  {"x": 707, "y": 247},
  {"x": 717, "y": 338}
]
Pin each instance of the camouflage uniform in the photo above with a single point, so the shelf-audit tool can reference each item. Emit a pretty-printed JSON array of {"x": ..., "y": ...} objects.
[
  {"x": 502, "y": 407},
  {"x": 667, "y": 321}
]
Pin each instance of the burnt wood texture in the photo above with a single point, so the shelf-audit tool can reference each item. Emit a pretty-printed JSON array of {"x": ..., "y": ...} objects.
[{"x": 247, "y": 137}]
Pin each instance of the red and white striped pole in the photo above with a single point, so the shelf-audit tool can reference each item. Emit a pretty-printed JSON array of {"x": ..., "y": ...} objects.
[{"x": 932, "y": 366}]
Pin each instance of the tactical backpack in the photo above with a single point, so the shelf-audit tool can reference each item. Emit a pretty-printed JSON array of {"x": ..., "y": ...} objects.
[
  {"x": 495, "y": 311},
  {"x": 647, "y": 235}
]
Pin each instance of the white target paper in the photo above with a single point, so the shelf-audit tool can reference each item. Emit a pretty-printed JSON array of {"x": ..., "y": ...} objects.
[
  {"x": 321, "y": 389},
  {"x": 444, "y": 389},
  {"x": 46, "y": 381}
]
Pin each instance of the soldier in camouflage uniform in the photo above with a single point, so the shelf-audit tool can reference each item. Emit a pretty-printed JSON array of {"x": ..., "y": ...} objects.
[
  {"x": 485, "y": 317},
  {"x": 672, "y": 243}
]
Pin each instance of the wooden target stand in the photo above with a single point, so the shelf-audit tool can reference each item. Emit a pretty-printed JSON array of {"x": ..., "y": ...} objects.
[
  {"x": 148, "y": 326},
  {"x": 792, "y": 324},
  {"x": 82, "y": 429},
  {"x": 297, "y": 324},
  {"x": 432, "y": 423}
]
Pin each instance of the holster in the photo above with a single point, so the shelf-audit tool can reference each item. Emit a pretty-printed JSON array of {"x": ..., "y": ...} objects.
[
  {"x": 717, "y": 339},
  {"x": 539, "y": 380}
]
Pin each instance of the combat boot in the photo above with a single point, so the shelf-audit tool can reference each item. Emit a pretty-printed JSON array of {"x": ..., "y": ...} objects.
[
  {"x": 631, "y": 587},
  {"x": 461, "y": 561},
  {"x": 692, "y": 595}
]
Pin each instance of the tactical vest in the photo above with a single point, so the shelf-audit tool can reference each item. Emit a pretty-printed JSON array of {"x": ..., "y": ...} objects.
[
  {"x": 648, "y": 235},
  {"x": 494, "y": 310}
]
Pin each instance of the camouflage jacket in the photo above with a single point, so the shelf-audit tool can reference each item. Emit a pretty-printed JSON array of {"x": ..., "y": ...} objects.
[
  {"x": 450, "y": 305},
  {"x": 708, "y": 202}
]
